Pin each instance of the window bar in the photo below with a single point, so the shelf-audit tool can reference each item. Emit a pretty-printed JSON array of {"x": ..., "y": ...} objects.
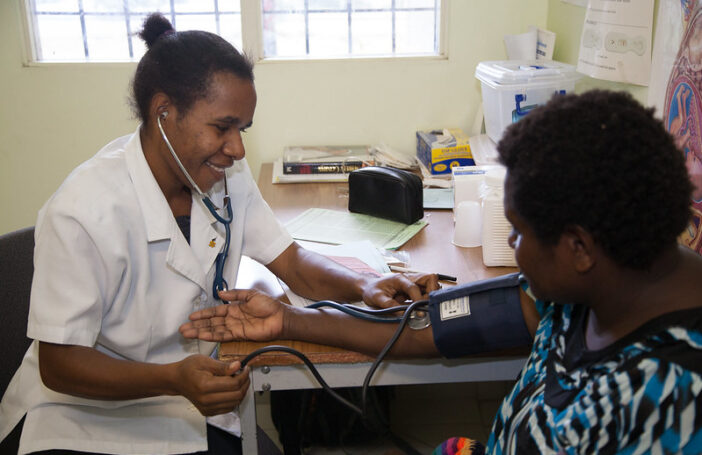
[
  {"x": 394, "y": 28},
  {"x": 307, "y": 27},
  {"x": 173, "y": 16},
  {"x": 350, "y": 30},
  {"x": 81, "y": 14},
  {"x": 130, "y": 45},
  {"x": 38, "y": 51},
  {"x": 437, "y": 18},
  {"x": 216, "y": 11}
]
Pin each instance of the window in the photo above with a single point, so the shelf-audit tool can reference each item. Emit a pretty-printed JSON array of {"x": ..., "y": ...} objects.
[
  {"x": 105, "y": 30},
  {"x": 345, "y": 28}
]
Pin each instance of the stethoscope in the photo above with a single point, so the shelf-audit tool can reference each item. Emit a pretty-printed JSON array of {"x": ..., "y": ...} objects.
[{"x": 219, "y": 284}]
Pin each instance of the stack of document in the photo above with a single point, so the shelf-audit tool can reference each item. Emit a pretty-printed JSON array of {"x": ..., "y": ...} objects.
[{"x": 338, "y": 227}]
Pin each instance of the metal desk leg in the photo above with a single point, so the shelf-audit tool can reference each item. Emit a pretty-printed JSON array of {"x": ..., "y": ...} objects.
[{"x": 247, "y": 413}]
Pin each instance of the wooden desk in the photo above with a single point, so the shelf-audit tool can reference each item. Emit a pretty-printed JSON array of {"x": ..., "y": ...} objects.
[{"x": 431, "y": 249}]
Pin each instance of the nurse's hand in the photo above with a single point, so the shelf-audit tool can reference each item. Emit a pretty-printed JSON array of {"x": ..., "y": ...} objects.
[
  {"x": 396, "y": 289},
  {"x": 214, "y": 387},
  {"x": 250, "y": 315}
]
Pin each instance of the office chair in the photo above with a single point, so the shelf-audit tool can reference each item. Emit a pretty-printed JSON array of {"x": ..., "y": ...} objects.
[{"x": 16, "y": 269}]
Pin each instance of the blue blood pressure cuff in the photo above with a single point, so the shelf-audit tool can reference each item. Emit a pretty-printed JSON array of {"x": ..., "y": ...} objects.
[{"x": 482, "y": 316}]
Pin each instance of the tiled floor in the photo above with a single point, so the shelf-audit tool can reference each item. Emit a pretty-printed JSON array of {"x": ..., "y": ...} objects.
[{"x": 422, "y": 415}]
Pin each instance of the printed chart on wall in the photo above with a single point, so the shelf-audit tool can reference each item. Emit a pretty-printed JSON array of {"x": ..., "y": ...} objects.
[
  {"x": 682, "y": 102},
  {"x": 616, "y": 41}
]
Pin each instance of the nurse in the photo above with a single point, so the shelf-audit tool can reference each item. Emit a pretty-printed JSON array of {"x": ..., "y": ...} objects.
[{"x": 126, "y": 249}]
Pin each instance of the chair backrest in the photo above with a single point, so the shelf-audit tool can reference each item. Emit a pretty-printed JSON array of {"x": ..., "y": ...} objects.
[{"x": 16, "y": 269}]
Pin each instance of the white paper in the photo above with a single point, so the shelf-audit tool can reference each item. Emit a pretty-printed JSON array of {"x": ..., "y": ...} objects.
[
  {"x": 545, "y": 43},
  {"x": 522, "y": 46},
  {"x": 615, "y": 44},
  {"x": 363, "y": 250}
]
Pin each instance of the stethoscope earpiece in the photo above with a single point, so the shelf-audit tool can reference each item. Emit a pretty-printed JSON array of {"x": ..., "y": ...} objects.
[{"x": 219, "y": 284}]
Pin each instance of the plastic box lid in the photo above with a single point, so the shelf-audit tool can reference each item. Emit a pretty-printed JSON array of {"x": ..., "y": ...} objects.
[{"x": 520, "y": 72}]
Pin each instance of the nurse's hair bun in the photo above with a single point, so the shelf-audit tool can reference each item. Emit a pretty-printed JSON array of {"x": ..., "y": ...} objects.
[{"x": 155, "y": 26}]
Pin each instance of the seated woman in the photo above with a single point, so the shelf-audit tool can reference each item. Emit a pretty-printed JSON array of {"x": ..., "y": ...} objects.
[
  {"x": 597, "y": 194},
  {"x": 134, "y": 240}
]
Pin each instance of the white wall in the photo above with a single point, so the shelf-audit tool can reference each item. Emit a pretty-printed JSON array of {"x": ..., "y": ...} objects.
[{"x": 53, "y": 117}]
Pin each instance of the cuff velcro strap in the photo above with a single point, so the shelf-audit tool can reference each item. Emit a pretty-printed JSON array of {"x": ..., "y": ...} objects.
[{"x": 477, "y": 317}]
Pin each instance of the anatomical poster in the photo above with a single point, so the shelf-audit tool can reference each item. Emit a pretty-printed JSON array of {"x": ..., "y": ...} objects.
[
  {"x": 616, "y": 41},
  {"x": 681, "y": 97}
]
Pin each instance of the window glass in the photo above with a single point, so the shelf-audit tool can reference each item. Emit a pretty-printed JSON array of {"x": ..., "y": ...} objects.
[
  {"x": 371, "y": 4},
  {"x": 106, "y": 38},
  {"x": 415, "y": 32},
  {"x": 228, "y": 6},
  {"x": 372, "y": 33},
  {"x": 329, "y": 34},
  {"x": 105, "y": 30},
  {"x": 283, "y": 5},
  {"x": 61, "y": 38},
  {"x": 103, "y": 6},
  {"x": 334, "y": 5},
  {"x": 193, "y": 6},
  {"x": 206, "y": 22},
  {"x": 342, "y": 28},
  {"x": 282, "y": 37},
  {"x": 136, "y": 23},
  {"x": 149, "y": 6},
  {"x": 56, "y": 5},
  {"x": 415, "y": 3},
  {"x": 230, "y": 29}
]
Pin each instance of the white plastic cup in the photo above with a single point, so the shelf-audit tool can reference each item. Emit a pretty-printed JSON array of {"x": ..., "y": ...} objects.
[{"x": 467, "y": 231}]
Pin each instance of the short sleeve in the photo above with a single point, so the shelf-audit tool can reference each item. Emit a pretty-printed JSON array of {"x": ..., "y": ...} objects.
[
  {"x": 265, "y": 238},
  {"x": 66, "y": 305}
]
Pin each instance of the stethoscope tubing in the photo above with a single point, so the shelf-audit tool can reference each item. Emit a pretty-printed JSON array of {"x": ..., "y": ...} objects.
[{"x": 219, "y": 283}]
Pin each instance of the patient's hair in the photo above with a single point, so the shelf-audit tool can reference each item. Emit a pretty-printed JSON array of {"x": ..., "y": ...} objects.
[
  {"x": 602, "y": 161},
  {"x": 181, "y": 65}
]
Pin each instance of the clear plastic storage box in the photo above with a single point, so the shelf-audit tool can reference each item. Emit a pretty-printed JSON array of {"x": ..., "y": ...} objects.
[{"x": 511, "y": 88}]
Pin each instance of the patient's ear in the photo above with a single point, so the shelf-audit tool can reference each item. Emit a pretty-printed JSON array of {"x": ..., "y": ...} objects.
[{"x": 581, "y": 247}]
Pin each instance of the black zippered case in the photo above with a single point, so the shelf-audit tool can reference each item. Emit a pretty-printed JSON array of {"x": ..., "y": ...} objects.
[{"x": 386, "y": 192}]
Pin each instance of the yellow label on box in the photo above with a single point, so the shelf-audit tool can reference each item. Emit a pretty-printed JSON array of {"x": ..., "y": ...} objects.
[{"x": 441, "y": 158}]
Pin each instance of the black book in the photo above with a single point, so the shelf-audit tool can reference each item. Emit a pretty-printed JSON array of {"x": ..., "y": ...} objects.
[{"x": 326, "y": 159}]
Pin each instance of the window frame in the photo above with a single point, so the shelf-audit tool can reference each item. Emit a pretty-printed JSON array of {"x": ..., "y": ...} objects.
[{"x": 251, "y": 37}]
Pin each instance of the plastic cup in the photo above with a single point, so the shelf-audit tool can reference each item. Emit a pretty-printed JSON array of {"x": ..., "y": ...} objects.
[{"x": 467, "y": 231}]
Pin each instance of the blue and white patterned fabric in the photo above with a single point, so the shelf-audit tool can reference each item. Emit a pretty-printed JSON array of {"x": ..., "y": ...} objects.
[{"x": 640, "y": 395}]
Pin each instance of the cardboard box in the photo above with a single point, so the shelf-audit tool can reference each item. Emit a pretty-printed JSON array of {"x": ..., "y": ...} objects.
[{"x": 439, "y": 155}]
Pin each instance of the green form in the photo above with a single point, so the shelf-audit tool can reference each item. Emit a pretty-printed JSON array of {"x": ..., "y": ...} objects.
[{"x": 337, "y": 227}]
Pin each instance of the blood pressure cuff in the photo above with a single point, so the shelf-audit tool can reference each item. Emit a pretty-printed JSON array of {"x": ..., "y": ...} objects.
[{"x": 482, "y": 316}]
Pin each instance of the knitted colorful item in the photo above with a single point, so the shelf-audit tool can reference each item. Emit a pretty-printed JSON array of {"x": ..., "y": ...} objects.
[{"x": 460, "y": 446}]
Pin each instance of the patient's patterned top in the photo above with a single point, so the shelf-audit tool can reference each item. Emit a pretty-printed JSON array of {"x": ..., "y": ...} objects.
[{"x": 640, "y": 395}]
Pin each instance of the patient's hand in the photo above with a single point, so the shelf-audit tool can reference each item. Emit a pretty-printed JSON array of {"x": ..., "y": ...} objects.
[
  {"x": 396, "y": 289},
  {"x": 250, "y": 315}
]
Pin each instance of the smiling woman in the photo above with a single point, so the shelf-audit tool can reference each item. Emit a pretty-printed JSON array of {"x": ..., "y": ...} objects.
[
  {"x": 193, "y": 107},
  {"x": 135, "y": 239}
]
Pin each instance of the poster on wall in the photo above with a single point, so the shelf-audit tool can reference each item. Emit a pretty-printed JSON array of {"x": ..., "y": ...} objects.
[
  {"x": 615, "y": 44},
  {"x": 682, "y": 100}
]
